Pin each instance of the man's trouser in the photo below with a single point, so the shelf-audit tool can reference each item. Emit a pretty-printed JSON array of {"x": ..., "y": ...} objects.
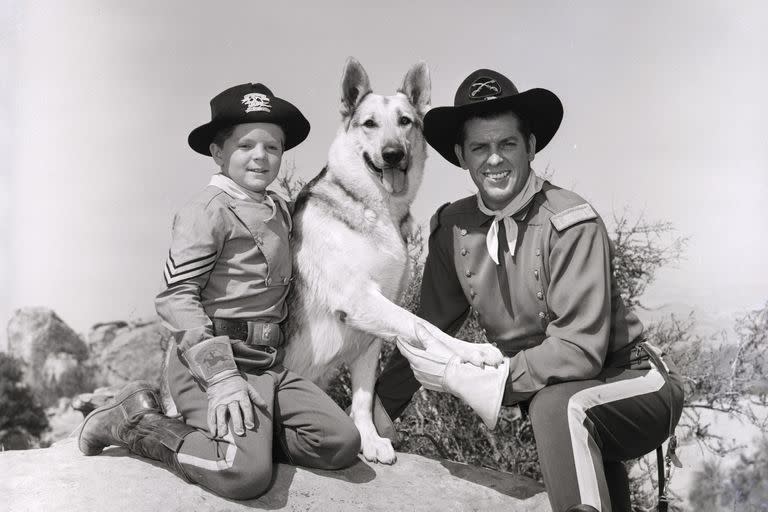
[
  {"x": 302, "y": 426},
  {"x": 583, "y": 429}
]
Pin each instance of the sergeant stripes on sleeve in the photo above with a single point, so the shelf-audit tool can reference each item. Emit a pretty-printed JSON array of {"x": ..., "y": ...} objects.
[{"x": 175, "y": 273}]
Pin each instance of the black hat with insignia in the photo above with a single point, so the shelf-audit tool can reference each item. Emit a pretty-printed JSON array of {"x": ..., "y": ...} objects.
[
  {"x": 487, "y": 91},
  {"x": 250, "y": 103}
]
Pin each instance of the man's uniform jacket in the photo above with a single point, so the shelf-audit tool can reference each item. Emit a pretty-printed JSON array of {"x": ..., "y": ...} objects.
[{"x": 553, "y": 307}]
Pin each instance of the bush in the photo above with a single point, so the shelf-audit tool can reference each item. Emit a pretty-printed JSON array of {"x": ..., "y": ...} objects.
[
  {"x": 743, "y": 488},
  {"x": 22, "y": 418}
]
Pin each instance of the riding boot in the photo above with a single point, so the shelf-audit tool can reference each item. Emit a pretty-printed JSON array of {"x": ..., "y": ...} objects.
[{"x": 135, "y": 420}]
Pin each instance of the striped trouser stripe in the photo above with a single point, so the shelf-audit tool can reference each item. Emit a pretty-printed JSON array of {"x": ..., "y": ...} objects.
[
  {"x": 584, "y": 448},
  {"x": 213, "y": 465}
]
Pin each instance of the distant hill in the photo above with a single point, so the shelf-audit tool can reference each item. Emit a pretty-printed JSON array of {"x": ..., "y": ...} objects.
[{"x": 707, "y": 324}]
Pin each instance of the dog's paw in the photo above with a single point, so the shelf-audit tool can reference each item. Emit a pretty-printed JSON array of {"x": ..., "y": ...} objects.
[
  {"x": 378, "y": 449},
  {"x": 482, "y": 354}
]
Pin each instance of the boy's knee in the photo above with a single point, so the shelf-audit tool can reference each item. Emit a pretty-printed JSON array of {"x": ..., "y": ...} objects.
[
  {"x": 340, "y": 449},
  {"x": 348, "y": 448},
  {"x": 244, "y": 482}
]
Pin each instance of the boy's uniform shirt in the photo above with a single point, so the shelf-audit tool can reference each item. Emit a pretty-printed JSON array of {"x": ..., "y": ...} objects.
[{"x": 229, "y": 258}]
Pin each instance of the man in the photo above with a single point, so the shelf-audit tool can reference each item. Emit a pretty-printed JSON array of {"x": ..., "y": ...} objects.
[{"x": 534, "y": 261}]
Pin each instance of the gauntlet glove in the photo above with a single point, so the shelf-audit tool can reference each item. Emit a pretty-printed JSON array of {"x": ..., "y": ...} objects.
[
  {"x": 213, "y": 365},
  {"x": 480, "y": 388}
]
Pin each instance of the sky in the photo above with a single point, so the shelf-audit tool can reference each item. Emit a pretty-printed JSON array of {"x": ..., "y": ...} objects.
[{"x": 665, "y": 110}]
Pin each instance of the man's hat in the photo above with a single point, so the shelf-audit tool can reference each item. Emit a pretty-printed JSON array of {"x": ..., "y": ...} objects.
[
  {"x": 250, "y": 103},
  {"x": 486, "y": 91}
]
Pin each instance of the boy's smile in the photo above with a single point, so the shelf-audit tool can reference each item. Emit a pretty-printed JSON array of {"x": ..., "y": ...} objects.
[{"x": 251, "y": 155}]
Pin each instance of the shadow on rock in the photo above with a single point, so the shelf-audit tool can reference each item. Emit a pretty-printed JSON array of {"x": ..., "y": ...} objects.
[
  {"x": 357, "y": 473},
  {"x": 509, "y": 484}
]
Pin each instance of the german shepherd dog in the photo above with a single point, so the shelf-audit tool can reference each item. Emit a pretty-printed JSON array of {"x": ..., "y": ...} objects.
[{"x": 351, "y": 262}]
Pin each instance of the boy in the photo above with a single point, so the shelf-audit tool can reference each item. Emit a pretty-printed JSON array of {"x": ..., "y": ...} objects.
[{"x": 226, "y": 279}]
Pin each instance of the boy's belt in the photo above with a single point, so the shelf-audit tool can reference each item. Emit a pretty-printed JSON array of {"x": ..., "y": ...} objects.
[{"x": 252, "y": 333}]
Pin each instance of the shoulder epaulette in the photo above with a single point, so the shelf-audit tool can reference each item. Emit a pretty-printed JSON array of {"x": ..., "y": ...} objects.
[
  {"x": 434, "y": 222},
  {"x": 571, "y": 216}
]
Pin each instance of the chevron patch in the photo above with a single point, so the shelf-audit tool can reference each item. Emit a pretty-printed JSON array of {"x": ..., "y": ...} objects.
[{"x": 177, "y": 272}]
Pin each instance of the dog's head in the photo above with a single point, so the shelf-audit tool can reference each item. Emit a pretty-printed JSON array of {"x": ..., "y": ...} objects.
[{"x": 384, "y": 133}]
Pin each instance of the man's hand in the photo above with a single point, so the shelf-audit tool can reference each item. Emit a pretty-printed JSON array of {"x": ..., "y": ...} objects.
[{"x": 236, "y": 397}]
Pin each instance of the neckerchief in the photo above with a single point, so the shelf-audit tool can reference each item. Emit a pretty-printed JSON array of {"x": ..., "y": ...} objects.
[
  {"x": 235, "y": 191},
  {"x": 504, "y": 216}
]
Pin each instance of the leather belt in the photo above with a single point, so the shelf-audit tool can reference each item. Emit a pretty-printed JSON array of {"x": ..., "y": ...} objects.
[{"x": 252, "y": 333}]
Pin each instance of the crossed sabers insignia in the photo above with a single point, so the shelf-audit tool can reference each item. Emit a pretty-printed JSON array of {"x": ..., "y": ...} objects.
[{"x": 491, "y": 85}]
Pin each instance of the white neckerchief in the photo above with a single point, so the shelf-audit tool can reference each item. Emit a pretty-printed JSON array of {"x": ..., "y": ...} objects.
[
  {"x": 504, "y": 217},
  {"x": 235, "y": 191}
]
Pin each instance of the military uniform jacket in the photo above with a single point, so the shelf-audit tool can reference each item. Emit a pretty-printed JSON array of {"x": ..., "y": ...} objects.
[
  {"x": 553, "y": 307},
  {"x": 229, "y": 258}
]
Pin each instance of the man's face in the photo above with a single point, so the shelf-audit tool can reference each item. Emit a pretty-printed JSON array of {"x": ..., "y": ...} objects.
[
  {"x": 495, "y": 154},
  {"x": 251, "y": 155}
]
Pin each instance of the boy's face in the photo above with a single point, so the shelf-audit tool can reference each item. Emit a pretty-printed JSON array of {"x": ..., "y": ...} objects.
[{"x": 251, "y": 156}]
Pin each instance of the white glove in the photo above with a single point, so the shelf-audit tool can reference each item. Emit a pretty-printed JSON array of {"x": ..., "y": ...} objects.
[{"x": 482, "y": 388}]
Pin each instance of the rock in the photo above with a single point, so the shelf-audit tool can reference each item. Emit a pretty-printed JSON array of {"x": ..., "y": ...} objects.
[
  {"x": 62, "y": 421},
  {"x": 45, "y": 343},
  {"x": 84, "y": 403},
  {"x": 123, "y": 352},
  {"x": 35, "y": 332},
  {"x": 60, "y": 478}
]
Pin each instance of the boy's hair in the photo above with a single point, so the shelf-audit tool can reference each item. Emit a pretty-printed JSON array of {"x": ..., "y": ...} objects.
[{"x": 223, "y": 134}]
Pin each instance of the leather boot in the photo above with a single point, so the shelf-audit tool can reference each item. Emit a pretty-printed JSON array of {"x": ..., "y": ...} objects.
[
  {"x": 135, "y": 420},
  {"x": 480, "y": 388}
]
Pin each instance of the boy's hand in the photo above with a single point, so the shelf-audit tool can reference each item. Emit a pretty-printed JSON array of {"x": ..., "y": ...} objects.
[{"x": 233, "y": 396}]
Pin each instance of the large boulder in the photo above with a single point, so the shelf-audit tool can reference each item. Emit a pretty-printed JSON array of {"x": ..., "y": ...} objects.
[
  {"x": 60, "y": 478},
  {"x": 122, "y": 352},
  {"x": 47, "y": 345}
]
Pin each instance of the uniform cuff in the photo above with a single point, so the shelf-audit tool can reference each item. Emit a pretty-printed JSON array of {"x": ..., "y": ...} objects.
[{"x": 211, "y": 360}]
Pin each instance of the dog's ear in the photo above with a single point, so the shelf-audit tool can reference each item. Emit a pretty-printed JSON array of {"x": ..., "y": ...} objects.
[
  {"x": 354, "y": 86},
  {"x": 418, "y": 87}
]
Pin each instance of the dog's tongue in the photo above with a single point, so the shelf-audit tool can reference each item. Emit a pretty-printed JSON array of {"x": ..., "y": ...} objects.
[{"x": 393, "y": 180}]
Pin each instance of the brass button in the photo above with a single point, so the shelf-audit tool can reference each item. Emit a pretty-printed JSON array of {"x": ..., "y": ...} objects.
[
  {"x": 472, "y": 293},
  {"x": 536, "y": 273},
  {"x": 538, "y": 252},
  {"x": 539, "y": 295},
  {"x": 542, "y": 314},
  {"x": 468, "y": 273},
  {"x": 463, "y": 232},
  {"x": 464, "y": 251}
]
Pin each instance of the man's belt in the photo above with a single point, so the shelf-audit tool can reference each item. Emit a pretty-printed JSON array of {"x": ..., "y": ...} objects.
[
  {"x": 252, "y": 333},
  {"x": 633, "y": 356}
]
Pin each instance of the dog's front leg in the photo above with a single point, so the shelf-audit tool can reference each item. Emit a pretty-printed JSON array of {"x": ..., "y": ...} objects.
[
  {"x": 369, "y": 311},
  {"x": 363, "y": 374}
]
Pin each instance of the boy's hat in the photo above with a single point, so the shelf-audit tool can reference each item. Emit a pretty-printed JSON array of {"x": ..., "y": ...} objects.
[
  {"x": 488, "y": 91},
  {"x": 249, "y": 103}
]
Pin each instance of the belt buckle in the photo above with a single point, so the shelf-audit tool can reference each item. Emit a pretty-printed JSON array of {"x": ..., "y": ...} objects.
[{"x": 263, "y": 333}]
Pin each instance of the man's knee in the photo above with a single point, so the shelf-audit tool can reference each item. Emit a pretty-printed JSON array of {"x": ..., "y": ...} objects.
[{"x": 549, "y": 405}]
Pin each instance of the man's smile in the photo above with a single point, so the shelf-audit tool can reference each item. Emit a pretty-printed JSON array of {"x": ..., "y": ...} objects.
[{"x": 497, "y": 175}]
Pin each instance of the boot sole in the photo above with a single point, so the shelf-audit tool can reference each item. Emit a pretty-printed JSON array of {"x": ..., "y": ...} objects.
[{"x": 121, "y": 397}]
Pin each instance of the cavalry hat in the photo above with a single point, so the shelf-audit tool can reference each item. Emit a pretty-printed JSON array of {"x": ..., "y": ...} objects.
[
  {"x": 486, "y": 91},
  {"x": 249, "y": 103}
]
